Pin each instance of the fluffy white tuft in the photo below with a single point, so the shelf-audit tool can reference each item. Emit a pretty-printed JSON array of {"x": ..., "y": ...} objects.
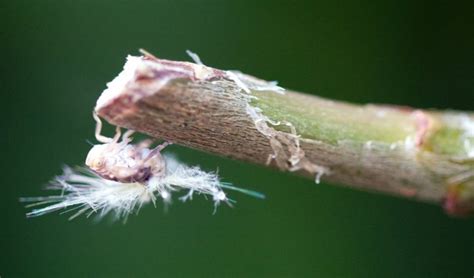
[{"x": 85, "y": 192}]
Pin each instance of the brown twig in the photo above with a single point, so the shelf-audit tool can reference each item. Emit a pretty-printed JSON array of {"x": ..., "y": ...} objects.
[{"x": 423, "y": 155}]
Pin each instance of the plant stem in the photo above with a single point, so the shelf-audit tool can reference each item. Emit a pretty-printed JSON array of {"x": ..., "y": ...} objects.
[{"x": 417, "y": 154}]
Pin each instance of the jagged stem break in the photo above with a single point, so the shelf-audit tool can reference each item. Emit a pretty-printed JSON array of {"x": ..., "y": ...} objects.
[{"x": 418, "y": 154}]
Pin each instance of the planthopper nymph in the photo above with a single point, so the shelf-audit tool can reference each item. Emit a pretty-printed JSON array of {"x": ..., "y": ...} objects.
[
  {"x": 125, "y": 162},
  {"x": 120, "y": 177}
]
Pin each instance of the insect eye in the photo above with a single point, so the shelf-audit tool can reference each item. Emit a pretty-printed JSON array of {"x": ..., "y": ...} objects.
[{"x": 99, "y": 163}]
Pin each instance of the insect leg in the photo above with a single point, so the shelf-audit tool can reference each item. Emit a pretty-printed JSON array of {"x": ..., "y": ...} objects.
[
  {"x": 145, "y": 143},
  {"x": 118, "y": 132},
  {"x": 157, "y": 150},
  {"x": 98, "y": 129},
  {"x": 127, "y": 134}
]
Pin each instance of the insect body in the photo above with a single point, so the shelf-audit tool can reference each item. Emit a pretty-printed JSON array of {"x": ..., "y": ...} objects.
[{"x": 125, "y": 162}]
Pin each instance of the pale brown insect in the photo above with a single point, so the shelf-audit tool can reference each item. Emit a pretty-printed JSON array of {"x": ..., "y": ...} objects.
[{"x": 124, "y": 162}]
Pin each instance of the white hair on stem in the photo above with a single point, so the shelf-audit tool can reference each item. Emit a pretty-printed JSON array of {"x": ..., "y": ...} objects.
[{"x": 85, "y": 192}]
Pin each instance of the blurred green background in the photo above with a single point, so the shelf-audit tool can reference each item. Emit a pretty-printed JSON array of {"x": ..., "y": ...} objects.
[{"x": 58, "y": 55}]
